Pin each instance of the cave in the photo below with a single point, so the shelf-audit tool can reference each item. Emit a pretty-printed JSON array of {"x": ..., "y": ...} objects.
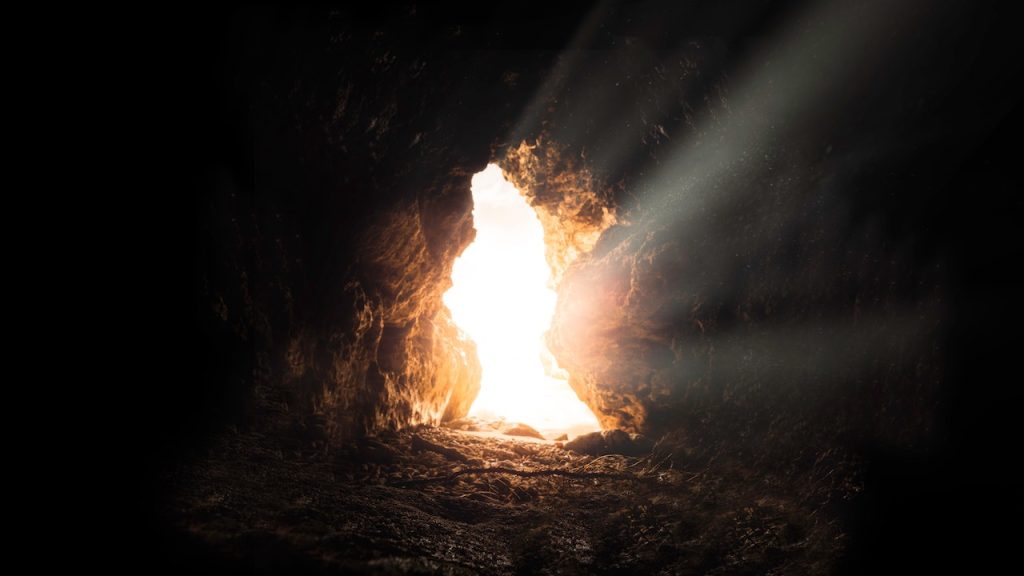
[{"x": 623, "y": 288}]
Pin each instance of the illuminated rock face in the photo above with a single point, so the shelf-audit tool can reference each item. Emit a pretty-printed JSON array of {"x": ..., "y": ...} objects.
[
  {"x": 326, "y": 251},
  {"x": 384, "y": 352},
  {"x": 424, "y": 368},
  {"x": 614, "y": 330},
  {"x": 573, "y": 206}
]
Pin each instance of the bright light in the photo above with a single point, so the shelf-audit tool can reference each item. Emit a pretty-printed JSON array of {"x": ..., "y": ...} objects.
[{"x": 500, "y": 297}]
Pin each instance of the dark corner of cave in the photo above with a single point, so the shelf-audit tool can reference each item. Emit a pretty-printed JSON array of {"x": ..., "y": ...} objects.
[{"x": 609, "y": 288}]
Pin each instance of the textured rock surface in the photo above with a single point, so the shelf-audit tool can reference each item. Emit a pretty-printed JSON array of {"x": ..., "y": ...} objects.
[
  {"x": 574, "y": 208},
  {"x": 748, "y": 262},
  {"x": 745, "y": 293},
  {"x": 324, "y": 251},
  {"x": 522, "y": 430},
  {"x": 610, "y": 442},
  {"x": 720, "y": 291},
  {"x": 805, "y": 233},
  {"x": 372, "y": 512}
]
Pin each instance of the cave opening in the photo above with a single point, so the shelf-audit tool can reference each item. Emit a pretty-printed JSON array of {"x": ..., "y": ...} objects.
[{"x": 503, "y": 297}]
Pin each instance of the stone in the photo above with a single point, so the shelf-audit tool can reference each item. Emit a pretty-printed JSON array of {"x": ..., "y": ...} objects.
[
  {"x": 609, "y": 442},
  {"x": 520, "y": 429}
]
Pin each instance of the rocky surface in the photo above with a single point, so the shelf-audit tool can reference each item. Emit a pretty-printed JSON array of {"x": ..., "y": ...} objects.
[
  {"x": 744, "y": 293},
  {"x": 700, "y": 272},
  {"x": 573, "y": 206},
  {"x": 499, "y": 426},
  {"x": 767, "y": 251},
  {"x": 326, "y": 238},
  {"x": 449, "y": 502},
  {"x": 610, "y": 442}
]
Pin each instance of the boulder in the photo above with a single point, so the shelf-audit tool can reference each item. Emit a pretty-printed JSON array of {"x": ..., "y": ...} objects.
[{"x": 610, "y": 442}]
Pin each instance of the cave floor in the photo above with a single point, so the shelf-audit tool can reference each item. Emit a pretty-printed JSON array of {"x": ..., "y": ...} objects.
[{"x": 400, "y": 505}]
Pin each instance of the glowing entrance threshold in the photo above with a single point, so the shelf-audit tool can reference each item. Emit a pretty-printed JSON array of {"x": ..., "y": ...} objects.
[{"x": 500, "y": 297}]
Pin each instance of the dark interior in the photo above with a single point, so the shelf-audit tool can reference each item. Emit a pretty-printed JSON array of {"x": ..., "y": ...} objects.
[{"x": 803, "y": 317}]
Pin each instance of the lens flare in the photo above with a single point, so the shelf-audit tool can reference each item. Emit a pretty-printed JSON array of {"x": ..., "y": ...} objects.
[{"x": 500, "y": 297}]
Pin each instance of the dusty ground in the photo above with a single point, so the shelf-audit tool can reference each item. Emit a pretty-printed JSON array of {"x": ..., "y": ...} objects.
[{"x": 421, "y": 502}]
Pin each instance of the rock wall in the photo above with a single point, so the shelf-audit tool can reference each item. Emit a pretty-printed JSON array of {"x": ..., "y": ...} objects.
[
  {"x": 328, "y": 233},
  {"x": 574, "y": 208},
  {"x": 729, "y": 255},
  {"x": 811, "y": 267},
  {"x": 753, "y": 283}
]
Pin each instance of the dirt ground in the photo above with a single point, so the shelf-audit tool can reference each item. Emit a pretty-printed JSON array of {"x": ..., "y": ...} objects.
[{"x": 443, "y": 501}]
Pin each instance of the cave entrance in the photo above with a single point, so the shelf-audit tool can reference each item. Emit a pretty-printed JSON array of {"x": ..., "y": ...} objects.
[{"x": 502, "y": 298}]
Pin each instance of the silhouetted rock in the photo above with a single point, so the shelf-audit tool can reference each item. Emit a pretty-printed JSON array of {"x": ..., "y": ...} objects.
[
  {"x": 610, "y": 442},
  {"x": 520, "y": 429}
]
